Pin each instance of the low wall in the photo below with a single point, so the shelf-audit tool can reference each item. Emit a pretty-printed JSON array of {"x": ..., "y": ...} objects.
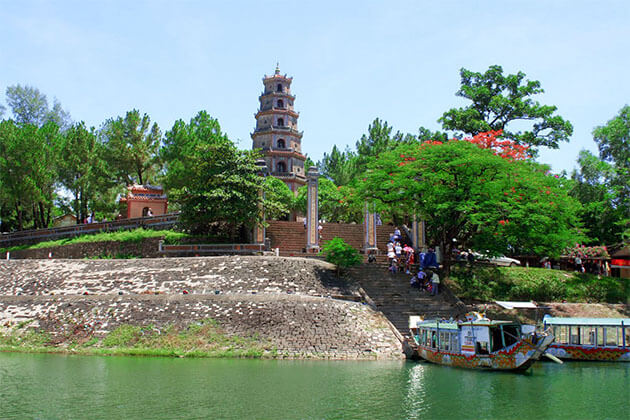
[
  {"x": 147, "y": 248},
  {"x": 288, "y": 302}
]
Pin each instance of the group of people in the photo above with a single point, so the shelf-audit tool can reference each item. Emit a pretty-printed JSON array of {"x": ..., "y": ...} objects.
[
  {"x": 593, "y": 266},
  {"x": 403, "y": 258},
  {"x": 428, "y": 280}
]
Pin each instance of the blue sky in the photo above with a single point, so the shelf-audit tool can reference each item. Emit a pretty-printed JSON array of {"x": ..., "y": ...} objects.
[{"x": 352, "y": 61}]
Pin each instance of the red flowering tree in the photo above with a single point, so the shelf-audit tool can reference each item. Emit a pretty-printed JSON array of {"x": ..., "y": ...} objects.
[{"x": 481, "y": 192}]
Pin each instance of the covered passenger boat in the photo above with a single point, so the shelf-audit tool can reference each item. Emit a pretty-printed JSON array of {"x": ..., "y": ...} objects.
[
  {"x": 478, "y": 343},
  {"x": 604, "y": 339}
]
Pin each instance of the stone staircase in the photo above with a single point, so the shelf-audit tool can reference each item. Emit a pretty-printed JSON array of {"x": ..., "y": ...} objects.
[
  {"x": 290, "y": 237},
  {"x": 393, "y": 296}
]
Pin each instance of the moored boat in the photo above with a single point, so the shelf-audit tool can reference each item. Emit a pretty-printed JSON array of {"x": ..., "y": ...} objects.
[
  {"x": 478, "y": 343},
  {"x": 603, "y": 339}
]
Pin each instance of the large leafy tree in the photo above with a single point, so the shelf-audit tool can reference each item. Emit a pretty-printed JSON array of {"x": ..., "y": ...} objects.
[
  {"x": 475, "y": 194},
  {"x": 499, "y": 100},
  {"x": 131, "y": 147},
  {"x": 82, "y": 169},
  {"x": 211, "y": 181}
]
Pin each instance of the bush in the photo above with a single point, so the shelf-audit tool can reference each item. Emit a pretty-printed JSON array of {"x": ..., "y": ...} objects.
[
  {"x": 539, "y": 284},
  {"x": 338, "y": 252}
]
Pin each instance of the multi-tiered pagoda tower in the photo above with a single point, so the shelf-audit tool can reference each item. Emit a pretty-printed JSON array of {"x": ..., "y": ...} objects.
[{"x": 276, "y": 132}]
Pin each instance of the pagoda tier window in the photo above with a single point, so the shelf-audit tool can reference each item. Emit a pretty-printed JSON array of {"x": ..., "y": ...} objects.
[
  {"x": 280, "y": 103},
  {"x": 281, "y": 144},
  {"x": 279, "y": 88},
  {"x": 282, "y": 167},
  {"x": 281, "y": 122}
]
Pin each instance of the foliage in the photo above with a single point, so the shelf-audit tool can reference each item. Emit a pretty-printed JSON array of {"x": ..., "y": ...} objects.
[
  {"x": 30, "y": 106},
  {"x": 473, "y": 195},
  {"x": 338, "y": 252},
  {"x": 82, "y": 169},
  {"x": 339, "y": 167},
  {"x": 498, "y": 100},
  {"x": 277, "y": 192},
  {"x": 211, "y": 180},
  {"x": 336, "y": 203},
  {"x": 602, "y": 184},
  {"x": 539, "y": 284},
  {"x": 131, "y": 144},
  {"x": 587, "y": 251},
  {"x": 28, "y": 171}
]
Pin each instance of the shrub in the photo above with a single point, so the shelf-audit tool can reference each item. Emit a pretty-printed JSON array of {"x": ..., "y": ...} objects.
[{"x": 338, "y": 252}]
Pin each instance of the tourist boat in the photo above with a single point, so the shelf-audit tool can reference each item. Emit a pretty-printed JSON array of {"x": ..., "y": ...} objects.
[
  {"x": 604, "y": 339},
  {"x": 479, "y": 343}
]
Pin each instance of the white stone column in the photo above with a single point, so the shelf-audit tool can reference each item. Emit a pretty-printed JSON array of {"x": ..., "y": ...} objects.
[{"x": 370, "y": 243}]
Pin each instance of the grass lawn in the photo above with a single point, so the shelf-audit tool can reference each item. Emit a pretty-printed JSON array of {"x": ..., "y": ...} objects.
[
  {"x": 135, "y": 235},
  {"x": 485, "y": 283}
]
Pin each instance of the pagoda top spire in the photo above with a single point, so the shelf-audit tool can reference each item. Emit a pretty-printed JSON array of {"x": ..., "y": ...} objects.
[{"x": 277, "y": 67}]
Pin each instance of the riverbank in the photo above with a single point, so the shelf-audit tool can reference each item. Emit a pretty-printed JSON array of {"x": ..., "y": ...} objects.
[{"x": 289, "y": 307}]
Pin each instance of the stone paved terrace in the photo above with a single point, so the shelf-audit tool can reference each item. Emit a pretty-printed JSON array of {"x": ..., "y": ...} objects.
[{"x": 287, "y": 302}]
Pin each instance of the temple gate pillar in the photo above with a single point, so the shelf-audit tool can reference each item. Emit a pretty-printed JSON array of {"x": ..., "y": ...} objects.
[
  {"x": 370, "y": 228},
  {"x": 312, "y": 210},
  {"x": 259, "y": 227},
  {"x": 417, "y": 234}
]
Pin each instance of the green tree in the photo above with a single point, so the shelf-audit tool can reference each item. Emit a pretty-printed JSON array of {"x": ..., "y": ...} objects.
[
  {"x": 28, "y": 171},
  {"x": 339, "y": 167},
  {"x": 476, "y": 197},
  {"x": 131, "y": 148},
  {"x": 211, "y": 181},
  {"x": 498, "y": 100},
  {"x": 30, "y": 106},
  {"x": 592, "y": 186},
  {"x": 338, "y": 252},
  {"x": 378, "y": 139},
  {"x": 281, "y": 197},
  {"x": 82, "y": 169},
  {"x": 336, "y": 203},
  {"x": 613, "y": 140}
]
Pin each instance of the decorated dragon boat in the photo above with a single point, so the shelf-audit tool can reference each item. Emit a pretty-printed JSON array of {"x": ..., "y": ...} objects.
[
  {"x": 603, "y": 339},
  {"x": 479, "y": 343}
]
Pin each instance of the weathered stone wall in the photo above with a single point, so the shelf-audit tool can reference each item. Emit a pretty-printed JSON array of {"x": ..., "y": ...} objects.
[{"x": 287, "y": 302}]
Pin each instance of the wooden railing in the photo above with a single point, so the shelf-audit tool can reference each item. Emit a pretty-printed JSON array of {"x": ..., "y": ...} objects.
[{"x": 38, "y": 235}]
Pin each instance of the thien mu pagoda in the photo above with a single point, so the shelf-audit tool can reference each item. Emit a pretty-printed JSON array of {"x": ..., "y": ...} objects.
[{"x": 276, "y": 132}]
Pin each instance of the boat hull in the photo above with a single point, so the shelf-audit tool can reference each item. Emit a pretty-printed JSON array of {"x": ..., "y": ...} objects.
[
  {"x": 519, "y": 356},
  {"x": 602, "y": 354}
]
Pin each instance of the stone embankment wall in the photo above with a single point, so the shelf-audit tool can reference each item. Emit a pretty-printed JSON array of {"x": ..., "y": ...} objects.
[{"x": 295, "y": 304}]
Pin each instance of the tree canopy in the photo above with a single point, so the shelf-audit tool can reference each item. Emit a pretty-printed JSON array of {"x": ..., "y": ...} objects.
[
  {"x": 499, "y": 100},
  {"x": 469, "y": 193}
]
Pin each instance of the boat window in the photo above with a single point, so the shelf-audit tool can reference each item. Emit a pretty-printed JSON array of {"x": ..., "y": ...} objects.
[
  {"x": 482, "y": 347},
  {"x": 612, "y": 336},
  {"x": 455, "y": 342},
  {"x": 423, "y": 340},
  {"x": 433, "y": 339},
  {"x": 560, "y": 332},
  {"x": 574, "y": 334},
  {"x": 587, "y": 336},
  {"x": 445, "y": 342},
  {"x": 627, "y": 329},
  {"x": 600, "y": 336}
]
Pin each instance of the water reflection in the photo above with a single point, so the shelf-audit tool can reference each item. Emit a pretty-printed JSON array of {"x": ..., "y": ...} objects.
[{"x": 50, "y": 386}]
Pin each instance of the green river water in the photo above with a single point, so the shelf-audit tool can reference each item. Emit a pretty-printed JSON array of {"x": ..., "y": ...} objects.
[{"x": 40, "y": 386}]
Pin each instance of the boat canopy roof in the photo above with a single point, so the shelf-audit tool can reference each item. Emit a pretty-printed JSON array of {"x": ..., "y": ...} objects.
[
  {"x": 452, "y": 325},
  {"x": 611, "y": 322}
]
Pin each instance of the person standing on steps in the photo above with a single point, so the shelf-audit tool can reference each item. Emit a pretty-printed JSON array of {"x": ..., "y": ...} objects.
[{"x": 435, "y": 284}]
